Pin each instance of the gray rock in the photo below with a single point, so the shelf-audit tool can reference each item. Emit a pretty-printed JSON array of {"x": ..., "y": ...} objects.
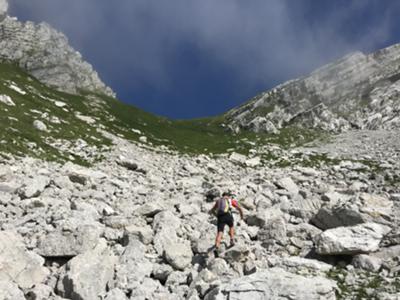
[
  {"x": 367, "y": 262},
  {"x": 178, "y": 255},
  {"x": 34, "y": 187},
  {"x": 288, "y": 184},
  {"x": 23, "y": 267},
  {"x": 116, "y": 294},
  {"x": 41, "y": 292},
  {"x": 88, "y": 274},
  {"x": 363, "y": 238},
  {"x": 141, "y": 233},
  {"x": 9, "y": 290},
  {"x": 69, "y": 244},
  {"x": 39, "y": 125},
  {"x": 277, "y": 284},
  {"x": 132, "y": 267},
  {"x": 128, "y": 163},
  {"x": 4, "y": 98}
]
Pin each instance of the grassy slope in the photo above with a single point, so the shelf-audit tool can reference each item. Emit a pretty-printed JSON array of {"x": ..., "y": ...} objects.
[{"x": 188, "y": 136}]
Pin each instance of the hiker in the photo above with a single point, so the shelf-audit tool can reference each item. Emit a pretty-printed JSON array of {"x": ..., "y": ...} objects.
[{"x": 223, "y": 210}]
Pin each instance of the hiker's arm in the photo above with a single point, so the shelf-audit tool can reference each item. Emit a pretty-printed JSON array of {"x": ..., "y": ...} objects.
[
  {"x": 240, "y": 211},
  {"x": 212, "y": 210}
]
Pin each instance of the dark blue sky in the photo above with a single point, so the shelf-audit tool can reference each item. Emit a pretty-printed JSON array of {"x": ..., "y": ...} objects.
[{"x": 197, "y": 58}]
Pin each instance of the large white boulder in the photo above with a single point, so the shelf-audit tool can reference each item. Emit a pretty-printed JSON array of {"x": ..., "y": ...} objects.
[
  {"x": 132, "y": 267},
  {"x": 68, "y": 244},
  {"x": 88, "y": 274},
  {"x": 275, "y": 283},
  {"x": 10, "y": 291},
  {"x": 363, "y": 238},
  {"x": 19, "y": 265},
  {"x": 178, "y": 255}
]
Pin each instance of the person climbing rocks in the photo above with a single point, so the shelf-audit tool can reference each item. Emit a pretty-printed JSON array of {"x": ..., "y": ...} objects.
[{"x": 223, "y": 210}]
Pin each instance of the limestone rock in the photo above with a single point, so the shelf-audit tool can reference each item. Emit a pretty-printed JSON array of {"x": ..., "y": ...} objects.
[
  {"x": 116, "y": 294},
  {"x": 367, "y": 262},
  {"x": 39, "y": 125},
  {"x": 34, "y": 187},
  {"x": 132, "y": 267},
  {"x": 178, "y": 255},
  {"x": 363, "y": 238},
  {"x": 288, "y": 184},
  {"x": 88, "y": 274},
  {"x": 46, "y": 54},
  {"x": 69, "y": 244},
  {"x": 10, "y": 291},
  {"x": 23, "y": 267},
  {"x": 4, "y": 98},
  {"x": 277, "y": 284}
]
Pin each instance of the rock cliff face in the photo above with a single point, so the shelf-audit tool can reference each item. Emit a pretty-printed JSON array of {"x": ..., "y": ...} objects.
[
  {"x": 46, "y": 54},
  {"x": 357, "y": 91}
]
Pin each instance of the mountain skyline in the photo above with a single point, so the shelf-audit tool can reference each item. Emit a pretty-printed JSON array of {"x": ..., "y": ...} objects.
[{"x": 212, "y": 63}]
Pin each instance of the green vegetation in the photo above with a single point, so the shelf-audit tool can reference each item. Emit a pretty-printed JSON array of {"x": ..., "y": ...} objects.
[
  {"x": 60, "y": 112},
  {"x": 367, "y": 280}
]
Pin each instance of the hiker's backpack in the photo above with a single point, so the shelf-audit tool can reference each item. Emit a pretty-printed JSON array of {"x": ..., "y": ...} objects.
[{"x": 224, "y": 206}]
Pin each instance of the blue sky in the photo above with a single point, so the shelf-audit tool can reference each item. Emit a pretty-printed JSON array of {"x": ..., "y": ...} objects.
[{"x": 196, "y": 58}]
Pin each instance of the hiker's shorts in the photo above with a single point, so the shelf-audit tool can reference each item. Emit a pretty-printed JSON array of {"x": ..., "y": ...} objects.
[{"x": 223, "y": 220}]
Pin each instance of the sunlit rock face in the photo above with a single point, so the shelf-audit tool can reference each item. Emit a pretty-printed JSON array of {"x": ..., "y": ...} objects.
[
  {"x": 46, "y": 54},
  {"x": 357, "y": 91}
]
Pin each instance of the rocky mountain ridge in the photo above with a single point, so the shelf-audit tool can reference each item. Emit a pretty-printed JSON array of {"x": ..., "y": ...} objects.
[
  {"x": 358, "y": 91},
  {"x": 45, "y": 53}
]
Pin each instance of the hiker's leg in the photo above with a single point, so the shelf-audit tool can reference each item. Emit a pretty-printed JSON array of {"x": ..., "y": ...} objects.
[
  {"x": 218, "y": 239},
  {"x": 231, "y": 229},
  {"x": 232, "y": 233},
  {"x": 220, "y": 232}
]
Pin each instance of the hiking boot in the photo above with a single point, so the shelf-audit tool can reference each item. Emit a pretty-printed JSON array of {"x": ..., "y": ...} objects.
[
  {"x": 216, "y": 252},
  {"x": 232, "y": 243}
]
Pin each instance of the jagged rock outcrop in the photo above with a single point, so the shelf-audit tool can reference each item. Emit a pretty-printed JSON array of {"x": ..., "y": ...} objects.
[
  {"x": 3, "y": 9},
  {"x": 46, "y": 54},
  {"x": 357, "y": 91}
]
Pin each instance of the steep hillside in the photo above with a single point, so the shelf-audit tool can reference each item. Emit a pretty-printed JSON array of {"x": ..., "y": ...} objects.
[
  {"x": 356, "y": 92},
  {"x": 41, "y": 122}
]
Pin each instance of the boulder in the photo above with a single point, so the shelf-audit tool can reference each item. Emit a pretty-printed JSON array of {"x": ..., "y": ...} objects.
[
  {"x": 275, "y": 283},
  {"x": 9, "y": 290},
  {"x": 132, "y": 267},
  {"x": 367, "y": 262},
  {"x": 69, "y": 244},
  {"x": 141, "y": 233},
  {"x": 88, "y": 275},
  {"x": 4, "y": 98},
  {"x": 362, "y": 209},
  {"x": 39, "y": 125},
  {"x": 237, "y": 158},
  {"x": 34, "y": 187},
  {"x": 23, "y": 267},
  {"x": 363, "y": 238},
  {"x": 178, "y": 255},
  {"x": 116, "y": 294},
  {"x": 288, "y": 185},
  {"x": 128, "y": 163}
]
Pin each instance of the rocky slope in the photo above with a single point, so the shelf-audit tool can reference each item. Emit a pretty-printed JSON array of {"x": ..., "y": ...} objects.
[
  {"x": 46, "y": 54},
  {"x": 358, "y": 91},
  {"x": 136, "y": 225}
]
